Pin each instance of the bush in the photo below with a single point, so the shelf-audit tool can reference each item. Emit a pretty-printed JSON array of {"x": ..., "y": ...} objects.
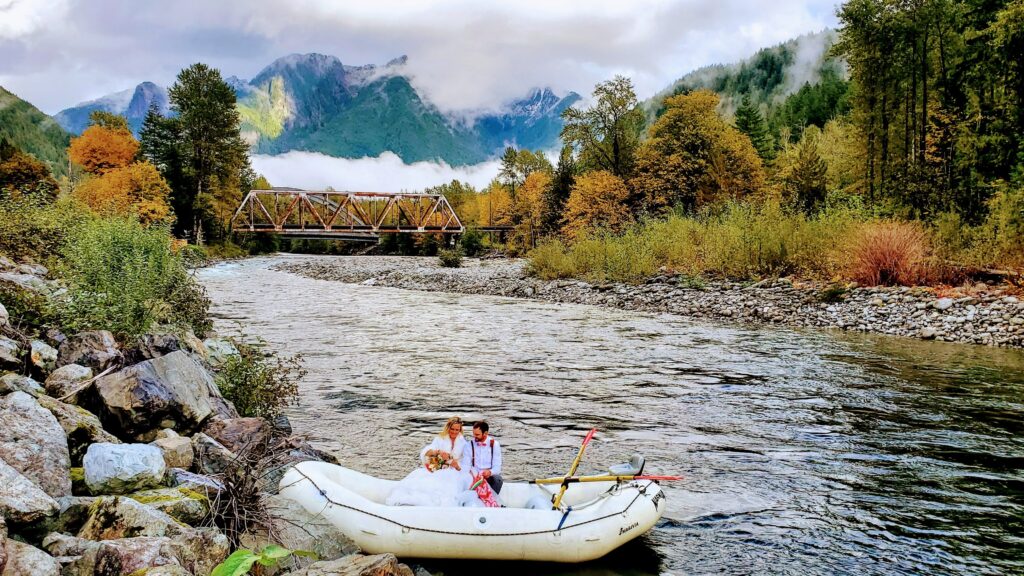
[
  {"x": 890, "y": 253},
  {"x": 260, "y": 384},
  {"x": 472, "y": 242},
  {"x": 126, "y": 278},
  {"x": 549, "y": 261},
  {"x": 36, "y": 230},
  {"x": 450, "y": 258}
]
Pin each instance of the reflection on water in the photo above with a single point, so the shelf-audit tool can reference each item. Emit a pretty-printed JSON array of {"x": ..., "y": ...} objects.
[{"x": 803, "y": 451}]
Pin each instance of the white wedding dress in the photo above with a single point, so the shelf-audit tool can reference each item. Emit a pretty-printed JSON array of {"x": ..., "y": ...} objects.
[{"x": 441, "y": 488}]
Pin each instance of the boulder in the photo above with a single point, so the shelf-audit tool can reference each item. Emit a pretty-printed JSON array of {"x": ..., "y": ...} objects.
[
  {"x": 66, "y": 379},
  {"x": 112, "y": 517},
  {"x": 33, "y": 443},
  {"x": 357, "y": 565},
  {"x": 172, "y": 391},
  {"x": 193, "y": 343},
  {"x": 26, "y": 283},
  {"x": 43, "y": 355},
  {"x": 74, "y": 511},
  {"x": 5, "y": 318},
  {"x": 96, "y": 349},
  {"x": 149, "y": 346},
  {"x": 296, "y": 529},
  {"x": 33, "y": 269},
  {"x": 180, "y": 503},
  {"x": 81, "y": 427},
  {"x": 191, "y": 552},
  {"x": 206, "y": 485},
  {"x": 25, "y": 560},
  {"x": 218, "y": 351},
  {"x": 15, "y": 382},
  {"x": 10, "y": 354},
  {"x": 177, "y": 451},
  {"x": 132, "y": 555},
  {"x": 121, "y": 468},
  {"x": 200, "y": 550},
  {"x": 21, "y": 501},
  {"x": 237, "y": 433},
  {"x": 211, "y": 457}
]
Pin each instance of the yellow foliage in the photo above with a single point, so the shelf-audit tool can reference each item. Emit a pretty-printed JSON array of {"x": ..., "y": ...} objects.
[
  {"x": 134, "y": 189},
  {"x": 525, "y": 212},
  {"x": 597, "y": 200},
  {"x": 99, "y": 149},
  {"x": 693, "y": 157}
]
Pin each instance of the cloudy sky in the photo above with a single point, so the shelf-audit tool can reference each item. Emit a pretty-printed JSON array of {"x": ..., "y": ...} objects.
[{"x": 463, "y": 54}]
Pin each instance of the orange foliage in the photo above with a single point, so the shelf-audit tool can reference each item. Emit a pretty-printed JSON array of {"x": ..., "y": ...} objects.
[
  {"x": 135, "y": 189},
  {"x": 597, "y": 200},
  {"x": 100, "y": 150},
  {"x": 890, "y": 253}
]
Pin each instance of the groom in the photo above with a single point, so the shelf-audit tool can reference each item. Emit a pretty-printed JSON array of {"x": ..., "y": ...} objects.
[{"x": 484, "y": 455}]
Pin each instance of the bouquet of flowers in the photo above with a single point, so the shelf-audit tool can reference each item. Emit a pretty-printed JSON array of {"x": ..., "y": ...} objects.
[{"x": 437, "y": 462}]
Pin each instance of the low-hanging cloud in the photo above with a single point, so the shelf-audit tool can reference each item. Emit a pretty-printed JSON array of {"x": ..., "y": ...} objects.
[{"x": 385, "y": 173}]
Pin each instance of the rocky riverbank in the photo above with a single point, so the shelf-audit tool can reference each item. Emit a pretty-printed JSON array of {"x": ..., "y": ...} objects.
[
  {"x": 124, "y": 458},
  {"x": 980, "y": 314}
]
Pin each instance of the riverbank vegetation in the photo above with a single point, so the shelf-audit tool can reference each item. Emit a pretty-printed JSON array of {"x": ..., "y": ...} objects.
[{"x": 902, "y": 164}]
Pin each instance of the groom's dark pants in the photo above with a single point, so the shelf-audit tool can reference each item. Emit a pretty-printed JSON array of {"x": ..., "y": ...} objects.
[{"x": 496, "y": 482}]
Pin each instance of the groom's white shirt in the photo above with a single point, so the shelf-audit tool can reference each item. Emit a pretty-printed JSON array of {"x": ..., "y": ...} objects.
[{"x": 483, "y": 455}]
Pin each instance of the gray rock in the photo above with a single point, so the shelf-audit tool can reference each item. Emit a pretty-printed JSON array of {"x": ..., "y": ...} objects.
[
  {"x": 177, "y": 451},
  {"x": 172, "y": 391},
  {"x": 357, "y": 565},
  {"x": 201, "y": 550},
  {"x": 149, "y": 346},
  {"x": 66, "y": 379},
  {"x": 5, "y": 318},
  {"x": 206, "y": 485},
  {"x": 211, "y": 457},
  {"x": 33, "y": 443},
  {"x": 26, "y": 283},
  {"x": 182, "y": 504},
  {"x": 943, "y": 304},
  {"x": 10, "y": 354},
  {"x": 43, "y": 355},
  {"x": 122, "y": 468},
  {"x": 237, "y": 433},
  {"x": 113, "y": 517},
  {"x": 16, "y": 382},
  {"x": 33, "y": 269},
  {"x": 21, "y": 501},
  {"x": 218, "y": 351},
  {"x": 928, "y": 333},
  {"x": 96, "y": 349},
  {"x": 185, "y": 554},
  {"x": 296, "y": 529},
  {"x": 3, "y": 543},
  {"x": 81, "y": 427},
  {"x": 26, "y": 560}
]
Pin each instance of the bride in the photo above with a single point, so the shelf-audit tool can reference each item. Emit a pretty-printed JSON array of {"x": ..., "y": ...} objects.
[{"x": 441, "y": 478}]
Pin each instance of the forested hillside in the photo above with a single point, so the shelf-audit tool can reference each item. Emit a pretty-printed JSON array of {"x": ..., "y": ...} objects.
[{"x": 28, "y": 129}]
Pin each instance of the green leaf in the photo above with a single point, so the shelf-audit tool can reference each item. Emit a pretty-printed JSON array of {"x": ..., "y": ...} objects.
[
  {"x": 237, "y": 564},
  {"x": 276, "y": 552}
]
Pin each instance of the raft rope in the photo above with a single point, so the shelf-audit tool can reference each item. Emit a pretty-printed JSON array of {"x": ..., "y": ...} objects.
[{"x": 641, "y": 491}]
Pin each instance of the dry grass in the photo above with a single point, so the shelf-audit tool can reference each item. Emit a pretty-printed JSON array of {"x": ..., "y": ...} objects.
[{"x": 890, "y": 254}]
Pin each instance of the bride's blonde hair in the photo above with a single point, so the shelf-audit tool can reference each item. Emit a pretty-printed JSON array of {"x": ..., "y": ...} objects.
[{"x": 448, "y": 425}]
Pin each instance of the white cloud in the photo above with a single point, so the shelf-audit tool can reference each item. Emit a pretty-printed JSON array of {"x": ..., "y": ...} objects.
[
  {"x": 23, "y": 17},
  {"x": 385, "y": 173}
]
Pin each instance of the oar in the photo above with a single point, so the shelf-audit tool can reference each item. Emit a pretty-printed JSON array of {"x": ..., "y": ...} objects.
[
  {"x": 606, "y": 478},
  {"x": 572, "y": 469}
]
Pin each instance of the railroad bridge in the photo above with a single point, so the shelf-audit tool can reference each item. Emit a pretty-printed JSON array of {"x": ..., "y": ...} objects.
[{"x": 358, "y": 216}]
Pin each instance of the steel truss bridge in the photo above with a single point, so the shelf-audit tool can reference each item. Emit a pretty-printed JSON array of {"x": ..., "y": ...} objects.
[{"x": 358, "y": 216}]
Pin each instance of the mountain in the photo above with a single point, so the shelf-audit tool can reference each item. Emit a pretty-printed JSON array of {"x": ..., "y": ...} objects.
[
  {"x": 27, "y": 128},
  {"x": 314, "y": 102},
  {"x": 132, "y": 104}
]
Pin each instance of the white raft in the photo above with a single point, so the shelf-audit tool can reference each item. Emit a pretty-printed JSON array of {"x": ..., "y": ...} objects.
[{"x": 601, "y": 517}]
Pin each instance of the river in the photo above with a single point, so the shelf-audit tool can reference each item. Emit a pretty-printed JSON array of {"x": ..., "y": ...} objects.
[{"x": 803, "y": 451}]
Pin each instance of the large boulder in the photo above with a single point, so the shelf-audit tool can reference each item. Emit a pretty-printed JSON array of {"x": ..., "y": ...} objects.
[
  {"x": 296, "y": 529},
  {"x": 10, "y": 354},
  {"x": 43, "y": 356},
  {"x": 172, "y": 391},
  {"x": 65, "y": 380},
  {"x": 121, "y": 468},
  {"x": 96, "y": 349},
  {"x": 191, "y": 551},
  {"x": 33, "y": 443},
  {"x": 21, "y": 501},
  {"x": 211, "y": 457},
  {"x": 235, "y": 434},
  {"x": 357, "y": 565},
  {"x": 177, "y": 451},
  {"x": 81, "y": 427},
  {"x": 182, "y": 504},
  {"x": 149, "y": 346},
  {"x": 25, "y": 560},
  {"x": 112, "y": 517},
  {"x": 14, "y": 382}
]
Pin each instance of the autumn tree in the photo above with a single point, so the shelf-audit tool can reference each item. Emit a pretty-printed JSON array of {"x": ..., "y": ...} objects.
[
  {"x": 516, "y": 165},
  {"x": 21, "y": 175},
  {"x": 527, "y": 210},
  {"x": 693, "y": 157},
  {"x": 558, "y": 190},
  {"x": 137, "y": 189},
  {"x": 105, "y": 145},
  {"x": 606, "y": 135},
  {"x": 598, "y": 200}
]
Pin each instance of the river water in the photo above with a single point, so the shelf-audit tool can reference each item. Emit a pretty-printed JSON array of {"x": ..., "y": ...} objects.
[{"x": 804, "y": 452}]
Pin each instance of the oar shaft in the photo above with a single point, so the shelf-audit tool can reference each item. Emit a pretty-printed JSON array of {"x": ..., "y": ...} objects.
[
  {"x": 575, "y": 465},
  {"x": 609, "y": 478}
]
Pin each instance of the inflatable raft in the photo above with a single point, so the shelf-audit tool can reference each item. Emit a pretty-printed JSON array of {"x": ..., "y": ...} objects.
[{"x": 596, "y": 517}]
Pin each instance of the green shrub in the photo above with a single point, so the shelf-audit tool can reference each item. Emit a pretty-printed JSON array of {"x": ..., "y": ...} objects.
[
  {"x": 28, "y": 311},
  {"x": 549, "y": 261},
  {"x": 257, "y": 383},
  {"x": 126, "y": 278},
  {"x": 34, "y": 230},
  {"x": 471, "y": 242},
  {"x": 450, "y": 258}
]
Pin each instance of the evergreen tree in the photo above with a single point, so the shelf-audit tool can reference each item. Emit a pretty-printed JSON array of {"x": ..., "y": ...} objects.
[
  {"x": 161, "y": 143},
  {"x": 808, "y": 181},
  {"x": 558, "y": 190},
  {"x": 750, "y": 122}
]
